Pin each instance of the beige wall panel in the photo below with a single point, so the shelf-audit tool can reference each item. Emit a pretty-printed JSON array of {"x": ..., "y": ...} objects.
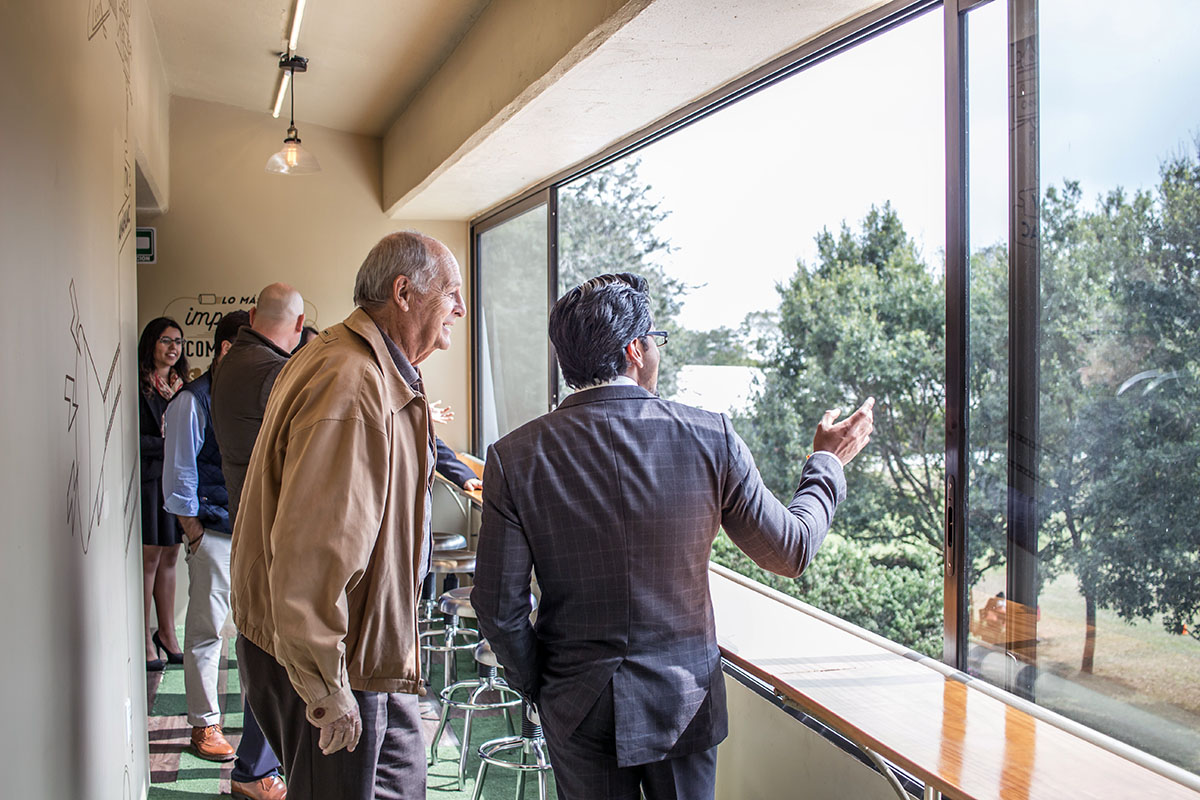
[
  {"x": 151, "y": 113},
  {"x": 70, "y": 554},
  {"x": 769, "y": 755},
  {"x": 233, "y": 228},
  {"x": 515, "y": 49}
]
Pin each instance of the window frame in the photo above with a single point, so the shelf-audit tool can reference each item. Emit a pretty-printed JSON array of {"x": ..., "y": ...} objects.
[
  {"x": 1022, "y": 166},
  {"x": 547, "y": 196},
  {"x": 815, "y": 51}
]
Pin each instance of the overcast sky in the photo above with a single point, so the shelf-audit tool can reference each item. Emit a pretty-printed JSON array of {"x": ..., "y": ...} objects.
[{"x": 749, "y": 187}]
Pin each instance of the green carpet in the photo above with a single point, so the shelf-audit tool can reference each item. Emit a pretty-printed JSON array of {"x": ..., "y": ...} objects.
[{"x": 177, "y": 774}]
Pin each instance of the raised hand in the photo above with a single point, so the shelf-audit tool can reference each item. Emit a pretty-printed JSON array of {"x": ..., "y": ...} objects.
[
  {"x": 846, "y": 438},
  {"x": 440, "y": 414}
]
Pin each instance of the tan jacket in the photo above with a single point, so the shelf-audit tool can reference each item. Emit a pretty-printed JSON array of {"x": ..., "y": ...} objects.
[{"x": 328, "y": 538}]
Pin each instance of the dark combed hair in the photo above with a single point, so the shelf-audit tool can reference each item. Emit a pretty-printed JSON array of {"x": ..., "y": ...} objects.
[
  {"x": 227, "y": 329},
  {"x": 150, "y": 336},
  {"x": 591, "y": 324}
]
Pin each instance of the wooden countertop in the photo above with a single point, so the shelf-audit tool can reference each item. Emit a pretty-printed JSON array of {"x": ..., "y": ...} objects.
[{"x": 939, "y": 727}]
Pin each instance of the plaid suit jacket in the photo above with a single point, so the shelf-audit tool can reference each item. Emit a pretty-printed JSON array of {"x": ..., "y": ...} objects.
[{"x": 615, "y": 499}]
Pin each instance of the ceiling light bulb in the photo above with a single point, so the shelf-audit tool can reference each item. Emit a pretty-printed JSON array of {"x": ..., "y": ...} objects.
[{"x": 293, "y": 159}]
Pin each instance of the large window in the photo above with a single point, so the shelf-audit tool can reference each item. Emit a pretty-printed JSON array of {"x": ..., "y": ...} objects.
[
  {"x": 1085, "y": 304},
  {"x": 795, "y": 256},
  {"x": 512, "y": 357},
  {"x": 1027, "y": 319}
]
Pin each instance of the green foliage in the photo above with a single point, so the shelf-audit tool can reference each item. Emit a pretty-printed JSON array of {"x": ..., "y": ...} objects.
[
  {"x": 1119, "y": 341},
  {"x": 719, "y": 347},
  {"x": 513, "y": 272},
  {"x": 1119, "y": 380},
  {"x": 866, "y": 320},
  {"x": 895, "y": 593},
  {"x": 608, "y": 222},
  {"x": 1140, "y": 430}
]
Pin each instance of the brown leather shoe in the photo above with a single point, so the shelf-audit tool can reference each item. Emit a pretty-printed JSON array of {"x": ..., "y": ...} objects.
[
  {"x": 209, "y": 743},
  {"x": 271, "y": 787}
]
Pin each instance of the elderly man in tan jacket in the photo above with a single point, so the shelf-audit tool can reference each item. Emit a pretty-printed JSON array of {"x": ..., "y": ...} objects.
[{"x": 332, "y": 537}]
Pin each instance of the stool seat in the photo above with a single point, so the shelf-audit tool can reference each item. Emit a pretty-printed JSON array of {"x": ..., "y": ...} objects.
[
  {"x": 484, "y": 654},
  {"x": 445, "y": 540},
  {"x": 462, "y": 560},
  {"x": 457, "y": 602}
]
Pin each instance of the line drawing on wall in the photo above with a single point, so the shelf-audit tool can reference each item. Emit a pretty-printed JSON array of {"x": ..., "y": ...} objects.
[
  {"x": 128, "y": 506},
  {"x": 124, "y": 44},
  {"x": 93, "y": 399},
  {"x": 97, "y": 14}
]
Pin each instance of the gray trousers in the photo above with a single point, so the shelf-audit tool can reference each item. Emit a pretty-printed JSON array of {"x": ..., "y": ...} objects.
[
  {"x": 585, "y": 765},
  {"x": 387, "y": 764},
  {"x": 208, "y": 608}
]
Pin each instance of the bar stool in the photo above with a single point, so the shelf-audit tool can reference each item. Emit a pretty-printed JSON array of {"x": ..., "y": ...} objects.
[
  {"x": 448, "y": 540},
  {"x": 453, "y": 604},
  {"x": 488, "y": 681},
  {"x": 443, "y": 541},
  {"x": 530, "y": 742}
]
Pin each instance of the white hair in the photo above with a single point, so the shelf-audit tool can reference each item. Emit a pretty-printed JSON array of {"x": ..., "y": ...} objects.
[{"x": 408, "y": 253}]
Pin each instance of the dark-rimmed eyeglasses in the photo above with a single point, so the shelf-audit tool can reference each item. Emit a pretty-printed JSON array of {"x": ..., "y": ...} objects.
[
  {"x": 167, "y": 341},
  {"x": 659, "y": 337}
]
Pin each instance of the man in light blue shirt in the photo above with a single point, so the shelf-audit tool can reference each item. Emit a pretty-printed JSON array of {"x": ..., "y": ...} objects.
[{"x": 194, "y": 491}]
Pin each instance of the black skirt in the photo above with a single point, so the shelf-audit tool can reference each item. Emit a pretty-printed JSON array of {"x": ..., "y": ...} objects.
[{"x": 159, "y": 527}]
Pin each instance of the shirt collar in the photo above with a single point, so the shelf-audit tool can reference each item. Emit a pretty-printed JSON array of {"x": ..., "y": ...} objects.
[
  {"x": 620, "y": 380},
  {"x": 407, "y": 371}
]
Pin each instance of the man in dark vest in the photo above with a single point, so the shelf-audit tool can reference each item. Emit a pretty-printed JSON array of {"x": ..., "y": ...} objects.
[
  {"x": 194, "y": 490},
  {"x": 242, "y": 383}
]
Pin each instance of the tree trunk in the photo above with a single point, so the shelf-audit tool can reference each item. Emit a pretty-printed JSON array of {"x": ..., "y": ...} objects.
[{"x": 1089, "y": 641}]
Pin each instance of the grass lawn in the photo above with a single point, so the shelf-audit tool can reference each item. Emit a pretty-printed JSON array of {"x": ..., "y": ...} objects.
[{"x": 1136, "y": 662}]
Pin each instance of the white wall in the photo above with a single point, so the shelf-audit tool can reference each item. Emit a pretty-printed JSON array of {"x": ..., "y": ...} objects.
[
  {"x": 151, "y": 113},
  {"x": 233, "y": 228},
  {"x": 70, "y": 560},
  {"x": 769, "y": 755}
]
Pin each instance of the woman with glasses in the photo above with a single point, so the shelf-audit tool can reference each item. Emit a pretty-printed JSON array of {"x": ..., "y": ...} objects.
[{"x": 162, "y": 370}]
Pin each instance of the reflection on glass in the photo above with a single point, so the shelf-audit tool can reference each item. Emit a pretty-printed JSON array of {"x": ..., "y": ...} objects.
[
  {"x": 514, "y": 354},
  {"x": 988, "y": 381},
  {"x": 1117, "y": 585},
  {"x": 793, "y": 243}
]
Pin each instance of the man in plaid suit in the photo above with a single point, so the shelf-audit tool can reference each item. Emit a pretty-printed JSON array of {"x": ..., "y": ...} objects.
[{"x": 614, "y": 500}]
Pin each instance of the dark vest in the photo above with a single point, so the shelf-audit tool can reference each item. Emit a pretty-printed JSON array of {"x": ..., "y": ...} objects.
[{"x": 214, "y": 499}]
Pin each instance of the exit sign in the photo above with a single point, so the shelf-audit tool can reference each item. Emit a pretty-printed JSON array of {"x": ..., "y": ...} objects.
[{"x": 144, "y": 245}]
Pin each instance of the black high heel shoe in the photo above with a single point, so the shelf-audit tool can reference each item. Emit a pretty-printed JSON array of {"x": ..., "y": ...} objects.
[
  {"x": 157, "y": 665},
  {"x": 172, "y": 658}
]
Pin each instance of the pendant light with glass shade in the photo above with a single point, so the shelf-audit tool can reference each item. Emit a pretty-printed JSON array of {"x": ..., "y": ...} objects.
[{"x": 293, "y": 159}]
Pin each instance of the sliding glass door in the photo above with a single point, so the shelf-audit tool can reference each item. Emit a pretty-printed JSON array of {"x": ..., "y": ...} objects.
[{"x": 1083, "y": 580}]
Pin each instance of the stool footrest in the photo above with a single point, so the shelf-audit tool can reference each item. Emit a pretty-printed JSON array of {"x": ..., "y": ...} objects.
[
  {"x": 490, "y": 750},
  {"x": 473, "y": 704},
  {"x": 489, "y": 755}
]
